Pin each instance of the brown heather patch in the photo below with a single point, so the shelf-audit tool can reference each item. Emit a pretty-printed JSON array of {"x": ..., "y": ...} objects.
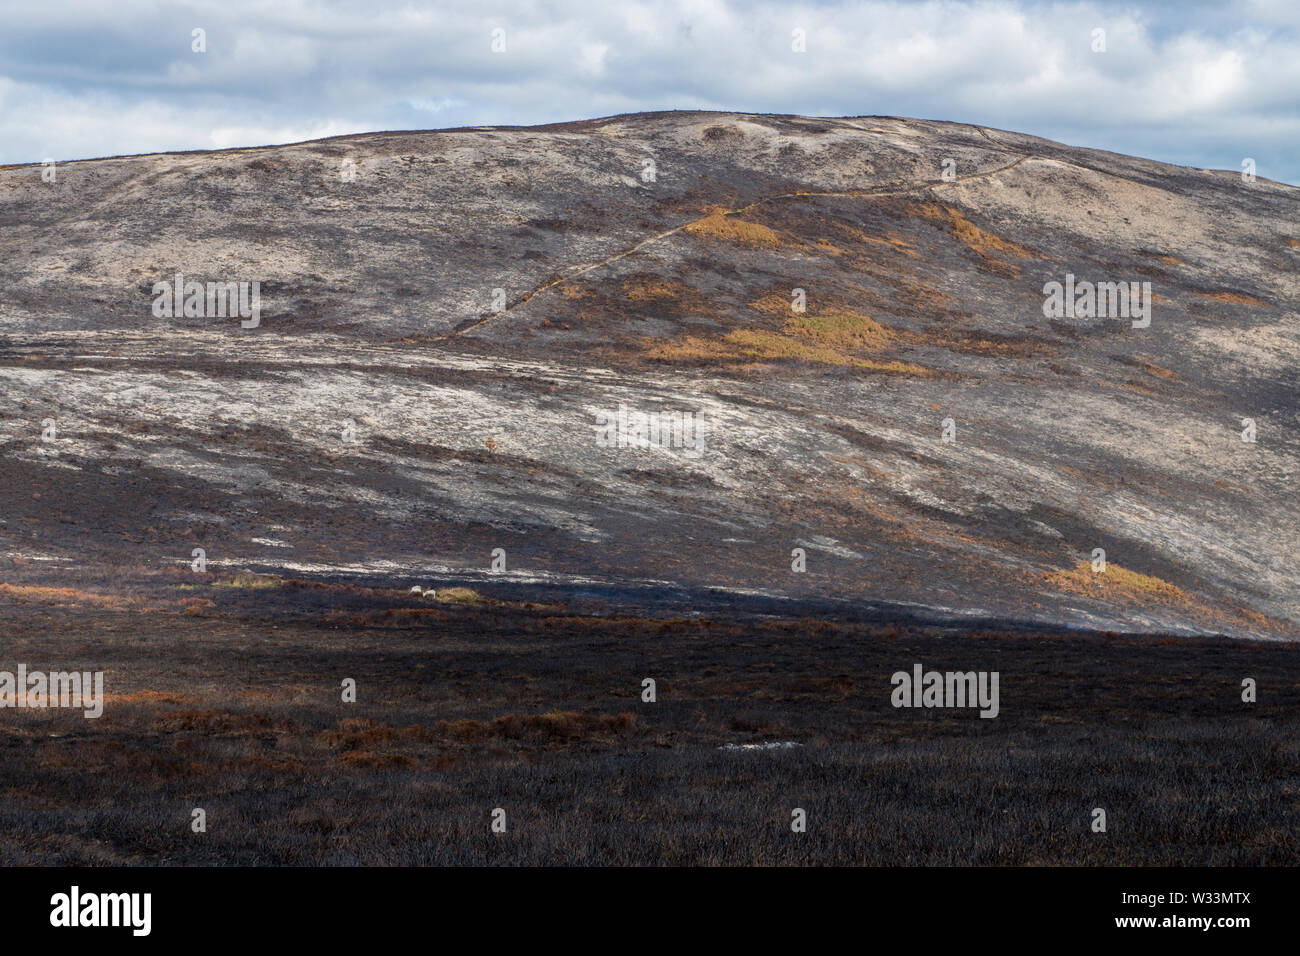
[
  {"x": 363, "y": 734},
  {"x": 1265, "y": 622},
  {"x": 1100, "y": 478},
  {"x": 913, "y": 293},
  {"x": 892, "y": 241},
  {"x": 820, "y": 339},
  {"x": 1234, "y": 298},
  {"x": 399, "y": 616},
  {"x": 216, "y": 723},
  {"x": 246, "y": 579},
  {"x": 986, "y": 244},
  {"x": 840, "y": 330},
  {"x": 893, "y": 367},
  {"x": 865, "y": 501},
  {"x": 1293, "y": 242},
  {"x": 1153, "y": 369},
  {"x": 916, "y": 294},
  {"x": 696, "y": 348},
  {"x": 146, "y": 697},
  {"x": 460, "y": 596},
  {"x": 648, "y": 288},
  {"x": 34, "y": 594},
  {"x": 774, "y": 304},
  {"x": 1229, "y": 486},
  {"x": 352, "y": 590},
  {"x": 387, "y": 617},
  {"x": 774, "y": 346},
  {"x": 708, "y": 195},
  {"x": 721, "y": 225},
  {"x": 197, "y": 607},
  {"x": 1116, "y": 583},
  {"x": 576, "y": 291},
  {"x": 1144, "y": 388},
  {"x": 914, "y": 530},
  {"x": 994, "y": 346}
]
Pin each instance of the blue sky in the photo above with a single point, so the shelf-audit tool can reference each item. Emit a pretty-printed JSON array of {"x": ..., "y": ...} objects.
[{"x": 1202, "y": 84}]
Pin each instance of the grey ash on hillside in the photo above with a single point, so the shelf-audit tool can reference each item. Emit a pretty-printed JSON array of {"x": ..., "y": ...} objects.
[{"x": 471, "y": 428}]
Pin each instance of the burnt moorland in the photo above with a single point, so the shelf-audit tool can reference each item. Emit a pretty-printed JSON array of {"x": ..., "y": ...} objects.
[{"x": 904, "y": 460}]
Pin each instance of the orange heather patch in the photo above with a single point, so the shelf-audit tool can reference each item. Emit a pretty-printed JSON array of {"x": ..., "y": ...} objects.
[
  {"x": 720, "y": 225},
  {"x": 892, "y": 241},
  {"x": 774, "y": 304},
  {"x": 1235, "y": 298},
  {"x": 840, "y": 330},
  {"x": 44, "y": 595},
  {"x": 1116, "y": 582},
  {"x": 988, "y": 245},
  {"x": 146, "y": 697},
  {"x": 1151, "y": 368},
  {"x": 648, "y": 289}
]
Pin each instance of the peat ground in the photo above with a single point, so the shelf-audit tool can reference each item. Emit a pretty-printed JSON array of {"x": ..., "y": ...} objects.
[{"x": 226, "y": 696}]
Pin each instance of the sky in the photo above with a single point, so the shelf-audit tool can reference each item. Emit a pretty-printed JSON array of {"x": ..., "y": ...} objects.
[{"x": 1200, "y": 84}]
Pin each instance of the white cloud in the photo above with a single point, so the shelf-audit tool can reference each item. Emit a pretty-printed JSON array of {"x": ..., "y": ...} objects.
[
  {"x": 227, "y": 137},
  {"x": 436, "y": 106},
  {"x": 1195, "y": 83}
]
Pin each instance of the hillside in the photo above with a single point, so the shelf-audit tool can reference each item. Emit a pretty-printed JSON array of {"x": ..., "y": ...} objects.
[{"x": 384, "y": 421}]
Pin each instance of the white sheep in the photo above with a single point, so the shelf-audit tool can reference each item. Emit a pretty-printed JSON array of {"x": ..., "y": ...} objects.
[
  {"x": 430, "y": 595},
  {"x": 416, "y": 590}
]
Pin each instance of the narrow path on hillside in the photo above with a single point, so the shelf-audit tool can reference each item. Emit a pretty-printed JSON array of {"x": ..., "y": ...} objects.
[{"x": 893, "y": 189}]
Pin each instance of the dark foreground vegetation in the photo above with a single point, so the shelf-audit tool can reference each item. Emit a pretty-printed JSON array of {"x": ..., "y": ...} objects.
[{"x": 227, "y": 696}]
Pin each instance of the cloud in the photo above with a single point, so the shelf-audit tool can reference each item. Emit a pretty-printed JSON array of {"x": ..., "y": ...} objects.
[
  {"x": 436, "y": 105},
  {"x": 1198, "y": 83}
]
